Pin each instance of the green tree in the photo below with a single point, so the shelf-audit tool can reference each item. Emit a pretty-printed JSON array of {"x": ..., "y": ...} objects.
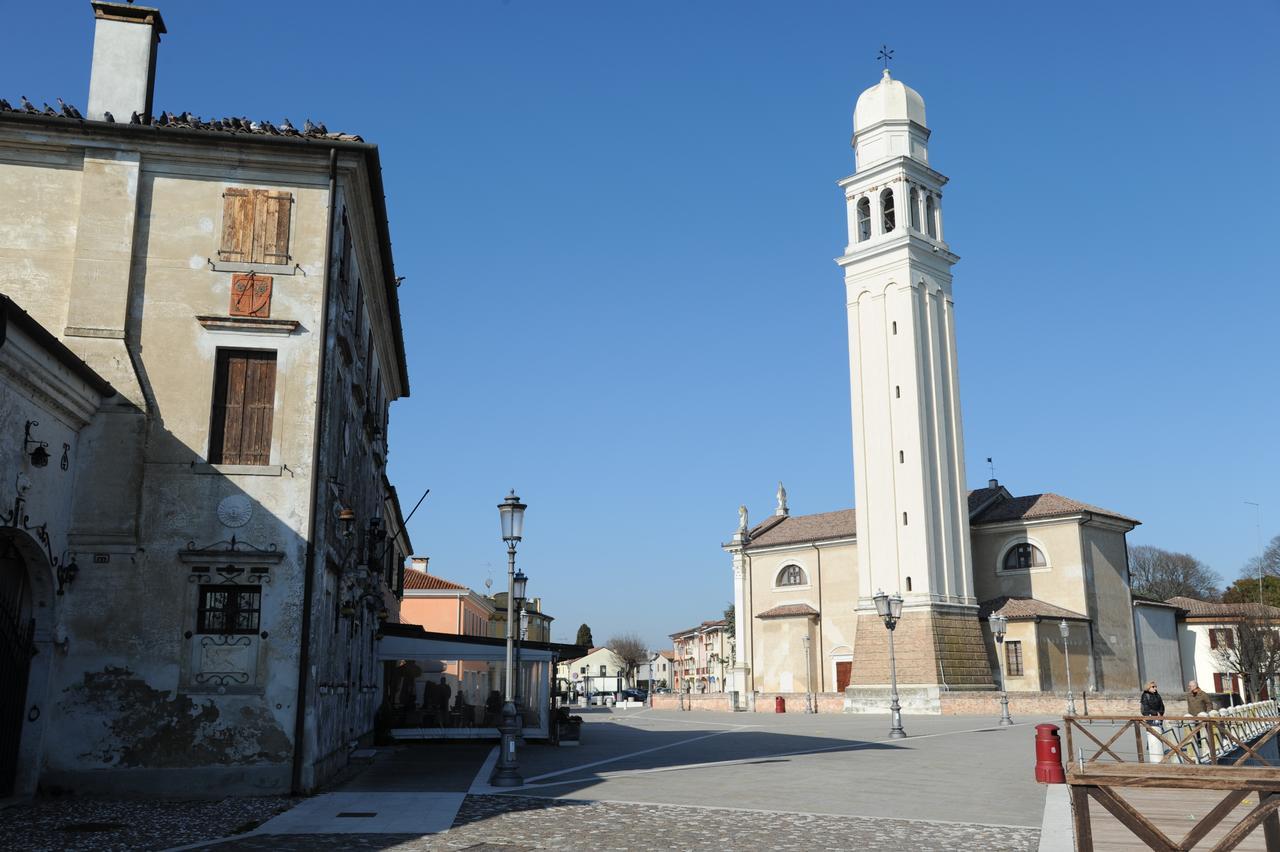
[
  {"x": 731, "y": 624},
  {"x": 1245, "y": 590},
  {"x": 584, "y": 637}
]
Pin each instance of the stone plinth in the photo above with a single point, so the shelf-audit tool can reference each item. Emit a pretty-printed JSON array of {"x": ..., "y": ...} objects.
[{"x": 940, "y": 648}]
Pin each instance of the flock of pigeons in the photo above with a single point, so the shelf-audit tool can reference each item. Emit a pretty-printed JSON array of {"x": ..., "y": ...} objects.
[{"x": 230, "y": 124}]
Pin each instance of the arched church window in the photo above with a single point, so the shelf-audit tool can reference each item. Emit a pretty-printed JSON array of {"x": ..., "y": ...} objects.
[
  {"x": 887, "y": 218},
  {"x": 908, "y": 584},
  {"x": 864, "y": 219},
  {"x": 792, "y": 575},
  {"x": 1022, "y": 556},
  {"x": 915, "y": 209},
  {"x": 931, "y": 216}
]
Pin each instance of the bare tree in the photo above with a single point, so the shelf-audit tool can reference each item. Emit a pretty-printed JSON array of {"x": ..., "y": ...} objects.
[
  {"x": 1163, "y": 574},
  {"x": 631, "y": 649},
  {"x": 1251, "y": 650},
  {"x": 1270, "y": 559}
]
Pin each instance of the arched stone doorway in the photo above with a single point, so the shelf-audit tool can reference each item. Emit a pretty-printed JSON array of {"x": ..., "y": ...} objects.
[{"x": 17, "y": 647}]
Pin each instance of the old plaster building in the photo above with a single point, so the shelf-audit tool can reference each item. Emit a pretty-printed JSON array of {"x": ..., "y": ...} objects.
[
  {"x": 954, "y": 554},
  {"x": 702, "y": 657},
  {"x": 202, "y": 331}
]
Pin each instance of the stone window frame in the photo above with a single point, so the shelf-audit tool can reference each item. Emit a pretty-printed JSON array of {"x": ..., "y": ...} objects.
[
  {"x": 1013, "y": 542},
  {"x": 778, "y": 584}
]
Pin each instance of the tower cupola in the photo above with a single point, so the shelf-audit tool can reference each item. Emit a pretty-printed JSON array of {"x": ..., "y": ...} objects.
[{"x": 888, "y": 121}]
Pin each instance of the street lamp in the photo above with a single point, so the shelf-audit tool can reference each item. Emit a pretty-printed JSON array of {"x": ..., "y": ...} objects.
[
  {"x": 506, "y": 773},
  {"x": 1065, "y": 630},
  {"x": 890, "y": 609},
  {"x": 808, "y": 675},
  {"x": 999, "y": 624}
]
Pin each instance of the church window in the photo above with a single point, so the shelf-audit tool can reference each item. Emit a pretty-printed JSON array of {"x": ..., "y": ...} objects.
[
  {"x": 908, "y": 584},
  {"x": 915, "y": 209},
  {"x": 887, "y": 218},
  {"x": 897, "y": 391},
  {"x": 902, "y": 457},
  {"x": 895, "y": 326},
  {"x": 1013, "y": 658},
  {"x": 1022, "y": 556},
  {"x": 930, "y": 216},
  {"x": 792, "y": 575},
  {"x": 904, "y": 519},
  {"x": 864, "y": 219}
]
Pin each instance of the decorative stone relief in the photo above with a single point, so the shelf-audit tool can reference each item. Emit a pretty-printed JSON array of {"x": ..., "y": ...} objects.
[{"x": 235, "y": 511}]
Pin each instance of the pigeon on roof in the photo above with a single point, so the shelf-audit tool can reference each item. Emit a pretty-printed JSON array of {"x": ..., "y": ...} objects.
[
  {"x": 135, "y": 118},
  {"x": 111, "y": 119},
  {"x": 288, "y": 128},
  {"x": 27, "y": 106},
  {"x": 5, "y": 105}
]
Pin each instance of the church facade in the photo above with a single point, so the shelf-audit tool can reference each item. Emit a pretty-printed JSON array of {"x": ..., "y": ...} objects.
[{"x": 804, "y": 585}]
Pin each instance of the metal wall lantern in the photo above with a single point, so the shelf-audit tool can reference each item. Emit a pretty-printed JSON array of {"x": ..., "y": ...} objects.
[
  {"x": 67, "y": 574},
  {"x": 346, "y": 521},
  {"x": 40, "y": 455}
]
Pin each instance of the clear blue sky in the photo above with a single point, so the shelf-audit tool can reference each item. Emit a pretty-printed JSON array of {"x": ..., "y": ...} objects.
[{"x": 617, "y": 223}]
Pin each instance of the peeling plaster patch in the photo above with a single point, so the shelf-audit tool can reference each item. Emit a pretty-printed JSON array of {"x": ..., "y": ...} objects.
[
  {"x": 196, "y": 262},
  {"x": 145, "y": 727},
  {"x": 206, "y": 225}
]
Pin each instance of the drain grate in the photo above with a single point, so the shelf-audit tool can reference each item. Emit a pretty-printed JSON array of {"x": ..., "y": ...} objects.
[{"x": 358, "y": 814}]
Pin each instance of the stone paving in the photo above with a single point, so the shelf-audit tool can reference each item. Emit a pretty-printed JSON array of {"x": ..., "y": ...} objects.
[
  {"x": 511, "y": 823},
  {"x": 76, "y": 823}
]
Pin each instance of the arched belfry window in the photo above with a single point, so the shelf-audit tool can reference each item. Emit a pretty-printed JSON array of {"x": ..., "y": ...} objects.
[
  {"x": 887, "y": 218},
  {"x": 914, "y": 212},
  {"x": 864, "y": 219},
  {"x": 792, "y": 575},
  {"x": 931, "y": 216},
  {"x": 1023, "y": 556}
]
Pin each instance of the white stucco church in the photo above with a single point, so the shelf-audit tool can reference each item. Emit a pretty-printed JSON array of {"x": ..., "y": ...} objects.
[{"x": 803, "y": 585}]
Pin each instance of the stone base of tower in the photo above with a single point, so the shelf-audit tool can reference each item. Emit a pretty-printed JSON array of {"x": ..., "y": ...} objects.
[{"x": 937, "y": 650}]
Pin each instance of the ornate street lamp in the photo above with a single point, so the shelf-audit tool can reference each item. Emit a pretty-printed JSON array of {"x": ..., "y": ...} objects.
[
  {"x": 1065, "y": 630},
  {"x": 999, "y": 624},
  {"x": 519, "y": 583},
  {"x": 506, "y": 773},
  {"x": 889, "y": 608}
]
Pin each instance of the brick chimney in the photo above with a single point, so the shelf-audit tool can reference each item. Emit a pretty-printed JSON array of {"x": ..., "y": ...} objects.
[
  {"x": 419, "y": 563},
  {"x": 123, "y": 77}
]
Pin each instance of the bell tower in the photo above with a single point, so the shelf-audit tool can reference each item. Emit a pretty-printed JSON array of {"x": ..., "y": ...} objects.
[{"x": 908, "y": 445}]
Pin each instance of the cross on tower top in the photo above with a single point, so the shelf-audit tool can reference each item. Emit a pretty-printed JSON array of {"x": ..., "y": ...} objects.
[{"x": 886, "y": 54}]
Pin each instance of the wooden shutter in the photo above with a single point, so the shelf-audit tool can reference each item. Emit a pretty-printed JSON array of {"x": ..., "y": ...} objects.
[
  {"x": 243, "y": 407},
  {"x": 271, "y": 229},
  {"x": 1217, "y": 682},
  {"x": 237, "y": 225},
  {"x": 1230, "y": 636},
  {"x": 1213, "y": 638}
]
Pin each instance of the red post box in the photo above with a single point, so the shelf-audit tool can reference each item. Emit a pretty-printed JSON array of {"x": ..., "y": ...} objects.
[
  {"x": 1049, "y": 756},
  {"x": 779, "y": 704}
]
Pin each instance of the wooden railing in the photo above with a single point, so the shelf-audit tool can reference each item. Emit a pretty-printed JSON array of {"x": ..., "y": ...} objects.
[{"x": 1222, "y": 750}]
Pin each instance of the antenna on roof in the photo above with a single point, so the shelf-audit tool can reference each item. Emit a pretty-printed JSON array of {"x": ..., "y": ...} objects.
[{"x": 991, "y": 465}]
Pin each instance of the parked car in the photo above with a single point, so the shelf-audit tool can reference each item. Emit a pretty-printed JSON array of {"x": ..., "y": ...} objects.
[{"x": 634, "y": 695}]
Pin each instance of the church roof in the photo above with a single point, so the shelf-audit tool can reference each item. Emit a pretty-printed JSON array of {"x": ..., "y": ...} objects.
[
  {"x": 1025, "y": 609},
  {"x": 1210, "y": 609},
  {"x": 788, "y": 610},
  {"x": 421, "y": 580},
  {"x": 790, "y": 529},
  {"x": 1035, "y": 506}
]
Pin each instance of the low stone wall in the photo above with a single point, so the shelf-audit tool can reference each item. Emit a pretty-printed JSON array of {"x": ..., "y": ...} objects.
[{"x": 983, "y": 703}]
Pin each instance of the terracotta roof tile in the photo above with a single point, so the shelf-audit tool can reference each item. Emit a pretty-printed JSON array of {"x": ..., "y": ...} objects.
[
  {"x": 1041, "y": 506},
  {"x": 1021, "y": 609},
  {"x": 1200, "y": 609},
  {"x": 787, "y": 610},
  {"x": 415, "y": 579},
  {"x": 793, "y": 529}
]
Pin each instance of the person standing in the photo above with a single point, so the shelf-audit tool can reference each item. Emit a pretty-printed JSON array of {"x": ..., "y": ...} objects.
[
  {"x": 1198, "y": 701},
  {"x": 1153, "y": 705}
]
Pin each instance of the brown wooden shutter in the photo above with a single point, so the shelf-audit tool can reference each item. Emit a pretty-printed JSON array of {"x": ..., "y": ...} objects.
[
  {"x": 243, "y": 407},
  {"x": 1217, "y": 682},
  {"x": 1213, "y": 638},
  {"x": 1230, "y": 636},
  {"x": 271, "y": 232},
  {"x": 237, "y": 225}
]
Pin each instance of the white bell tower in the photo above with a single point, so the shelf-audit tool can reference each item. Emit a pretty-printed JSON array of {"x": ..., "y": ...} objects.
[{"x": 908, "y": 445}]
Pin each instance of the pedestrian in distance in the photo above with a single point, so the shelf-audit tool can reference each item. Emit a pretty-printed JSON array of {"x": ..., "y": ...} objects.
[
  {"x": 1198, "y": 701},
  {"x": 1153, "y": 705}
]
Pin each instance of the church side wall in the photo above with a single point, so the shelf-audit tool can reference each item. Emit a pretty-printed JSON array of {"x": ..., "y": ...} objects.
[
  {"x": 1061, "y": 583},
  {"x": 1110, "y": 607}
]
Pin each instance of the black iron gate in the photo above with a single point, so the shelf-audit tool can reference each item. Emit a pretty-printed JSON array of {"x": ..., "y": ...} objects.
[{"x": 17, "y": 646}]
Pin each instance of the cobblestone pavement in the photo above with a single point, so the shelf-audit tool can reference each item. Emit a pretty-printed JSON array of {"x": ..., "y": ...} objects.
[
  {"x": 504, "y": 823},
  {"x": 74, "y": 823}
]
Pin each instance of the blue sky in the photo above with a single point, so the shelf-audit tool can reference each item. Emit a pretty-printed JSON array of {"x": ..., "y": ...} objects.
[{"x": 617, "y": 223}]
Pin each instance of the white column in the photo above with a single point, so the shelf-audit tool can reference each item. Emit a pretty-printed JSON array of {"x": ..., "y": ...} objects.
[
  {"x": 741, "y": 615},
  {"x": 921, "y": 193},
  {"x": 937, "y": 211}
]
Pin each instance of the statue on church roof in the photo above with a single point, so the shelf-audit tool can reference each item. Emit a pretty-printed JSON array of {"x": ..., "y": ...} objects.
[
  {"x": 782, "y": 500},
  {"x": 742, "y": 519}
]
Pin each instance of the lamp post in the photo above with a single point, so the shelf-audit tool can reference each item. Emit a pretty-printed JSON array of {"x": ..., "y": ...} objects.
[
  {"x": 520, "y": 582},
  {"x": 808, "y": 675},
  {"x": 1065, "y": 630},
  {"x": 999, "y": 624},
  {"x": 506, "y": 773},
  {"x": 890, "y": 609}
]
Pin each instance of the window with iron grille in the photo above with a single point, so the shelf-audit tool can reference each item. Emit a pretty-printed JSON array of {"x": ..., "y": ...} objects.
[
  {"x": 1013, "y": 659},
  {"x": 792, "y": 575},
  {"x": 1023, "y": 556},
  {"x": 229, "y": 609}
]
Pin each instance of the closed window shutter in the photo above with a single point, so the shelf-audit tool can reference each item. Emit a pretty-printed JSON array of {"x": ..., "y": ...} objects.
[
  {"x": 271, "y": 237},
  {"x": 243, "y": 407},
  {"x": 1230, "y": 636},
  {"x": 1217, "y": 682},
  {"x": 1213, "y": 638},
  {"x": 237, "y": 226}
]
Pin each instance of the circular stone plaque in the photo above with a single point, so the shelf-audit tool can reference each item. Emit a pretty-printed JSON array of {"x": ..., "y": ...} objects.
[{"x": 235, "y": 511}]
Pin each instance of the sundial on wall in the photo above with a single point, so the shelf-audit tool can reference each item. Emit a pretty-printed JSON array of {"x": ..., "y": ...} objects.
[{"x": 235, "y": 511}]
